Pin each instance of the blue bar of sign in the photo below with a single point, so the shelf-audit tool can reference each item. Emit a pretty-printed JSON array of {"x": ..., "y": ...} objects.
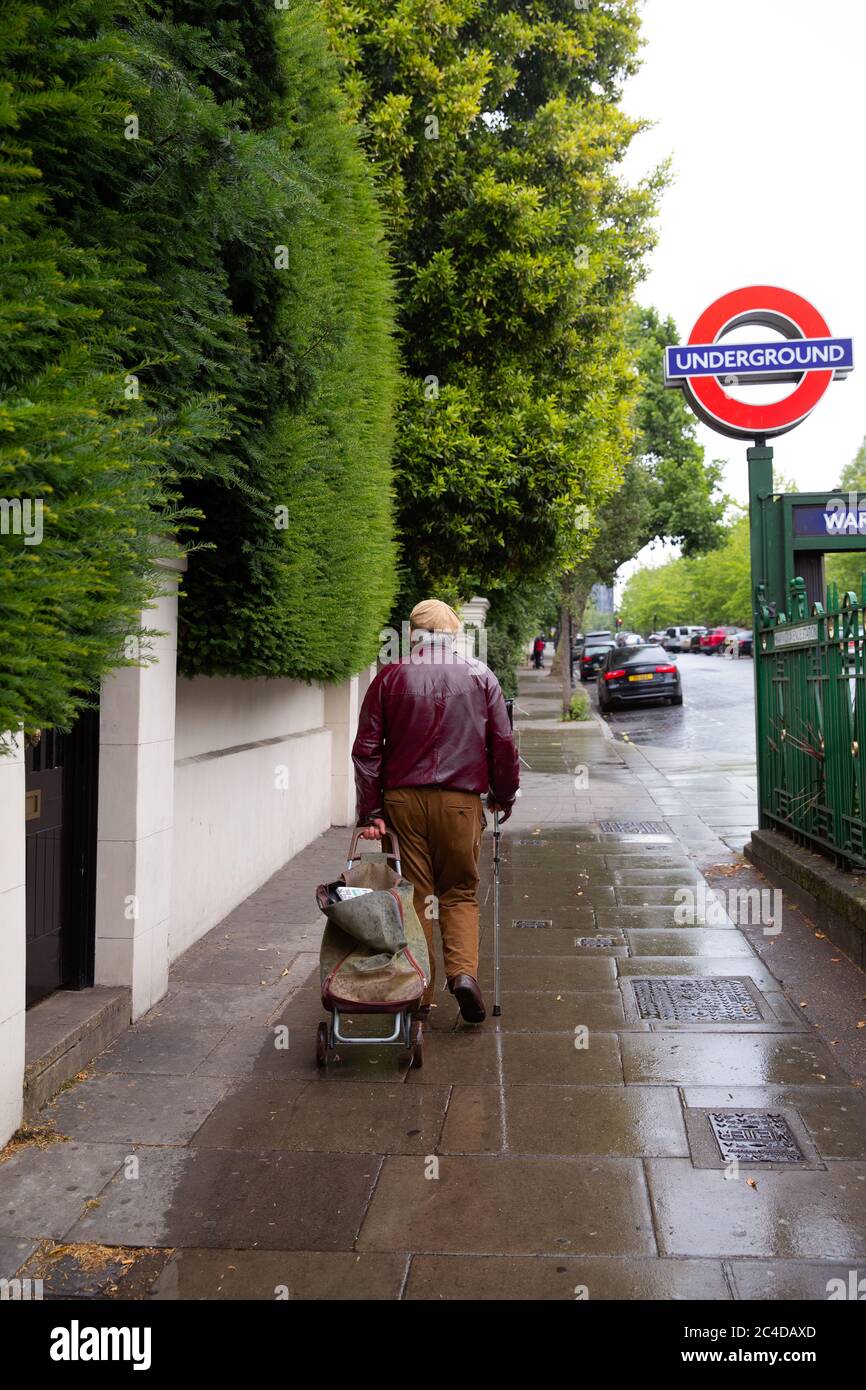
[
  {"x": 837, "y": 518},
  {"x": 759, "y": 359}
]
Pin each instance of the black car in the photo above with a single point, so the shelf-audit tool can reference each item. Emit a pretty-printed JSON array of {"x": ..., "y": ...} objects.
[
  {"x": 594, "y": 653},
  {"x": 636, "y": 674}
]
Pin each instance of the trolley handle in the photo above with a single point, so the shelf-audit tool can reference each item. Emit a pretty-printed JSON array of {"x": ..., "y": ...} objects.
[{"x": 393, "y": 853}]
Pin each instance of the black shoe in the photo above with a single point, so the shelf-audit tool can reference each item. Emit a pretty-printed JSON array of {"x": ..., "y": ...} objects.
[{"x": 468, "y": 995}]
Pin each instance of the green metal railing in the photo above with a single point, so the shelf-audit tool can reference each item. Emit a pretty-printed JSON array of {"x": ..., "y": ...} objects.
[{"x": 810, "y": 689}]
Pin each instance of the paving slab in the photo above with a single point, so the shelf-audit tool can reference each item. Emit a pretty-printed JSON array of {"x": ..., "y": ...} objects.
[
  {"x": 345, "y": 1117},
  {"x": 793, "y": 1215},
  {"x": 43, "y": 1191},
  {"x": 224, "y": 1198},
  {"x": 600, "y": 1010},
  {"x": 794, "y": 1281},
  {"x": 717, "y": 1059},
  {"x": 296, "y": 1276},
  {"x": 699, "y": 965},
  {"x": 579, "y": 974},
  {"x": 14, "y": 1252},
  {"x": 115, "y": 1107},
  {"x": 689, "y": 941},
  {"x": 525, "y": 1279},
  {"x": 510, "y": 1206},
  {"x": 627, "y": 1121},
  {"x": 532, "y": 1059},
  {"x": 553, "y": 941}
]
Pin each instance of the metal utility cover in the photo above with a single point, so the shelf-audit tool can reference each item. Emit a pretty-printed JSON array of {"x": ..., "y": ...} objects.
[
  {"x": 634, "y": 827},
  {"x": 597, "y": 941},
  {"x": 533, "y": 840},
  {"x": 754, "y": 1136},
  {"x": 686, "y": 1000},
  {"x": 532, "y": 922},
  {"x": 775, "y": 1140}
]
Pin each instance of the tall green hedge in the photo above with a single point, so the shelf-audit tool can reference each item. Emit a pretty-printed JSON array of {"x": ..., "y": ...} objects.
[
  {"x": 303, "y": 573},
  {"x": 155, "y": 362}
]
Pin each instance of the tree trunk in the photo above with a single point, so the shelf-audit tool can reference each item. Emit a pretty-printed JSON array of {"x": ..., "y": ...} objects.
[{"x": 564, "y": 655}]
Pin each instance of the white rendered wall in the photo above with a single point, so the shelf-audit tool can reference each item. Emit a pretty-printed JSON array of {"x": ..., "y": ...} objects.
[
  {"x": 12, "y": 923},
  {"x": 135, "y": 826},
  {"x": 252, "y": 787}
]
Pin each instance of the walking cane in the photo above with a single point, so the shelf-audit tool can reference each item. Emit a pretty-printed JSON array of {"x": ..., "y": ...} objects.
[{"x": 497, "y": 947}]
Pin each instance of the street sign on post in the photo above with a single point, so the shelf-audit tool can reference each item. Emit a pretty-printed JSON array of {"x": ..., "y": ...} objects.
[
  {"x": 810, "y": 358},
  {"x": 786, "y": 532}
]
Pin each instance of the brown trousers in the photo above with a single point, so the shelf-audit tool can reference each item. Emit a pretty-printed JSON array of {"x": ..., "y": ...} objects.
[{"x": 439, "y": 835}]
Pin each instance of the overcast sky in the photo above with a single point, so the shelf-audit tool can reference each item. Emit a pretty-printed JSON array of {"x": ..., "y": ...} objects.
[{"x": 760, "y": 105}]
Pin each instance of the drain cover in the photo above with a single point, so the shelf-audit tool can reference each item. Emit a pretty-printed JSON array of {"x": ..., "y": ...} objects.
[
  {"x": 532, "y": 922},
  {"x": 533, "y": 840},
  {"x": 754, "y": 1136},
  {"x": 634, "y": 827},
  {"x": 596, "y": 941},
  {"x": 711, "y": 1000}
]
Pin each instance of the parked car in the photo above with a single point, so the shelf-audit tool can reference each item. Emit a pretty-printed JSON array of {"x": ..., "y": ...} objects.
[
  {"x": 599, "y": 632},
  {"x": 638, "y": 674},
  {"x": 741, "y": 640},
  {"x": 695, "y": 642},
  {"x": 679, "y": 639},
  {"x": 655, "y": 638},
  {"x": 630, "y": 639},
  {"x": 713, "y": 641},
  {"x": 594, "y": 652}
]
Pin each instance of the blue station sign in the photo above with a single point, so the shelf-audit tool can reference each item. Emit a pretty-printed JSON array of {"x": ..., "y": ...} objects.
[
  {"x": 838, "y": 517},
  {"x": 769, "y": 361}
]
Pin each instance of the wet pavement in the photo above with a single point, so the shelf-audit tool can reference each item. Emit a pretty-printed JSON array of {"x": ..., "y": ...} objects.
[{"x": 576, "y": 1143}]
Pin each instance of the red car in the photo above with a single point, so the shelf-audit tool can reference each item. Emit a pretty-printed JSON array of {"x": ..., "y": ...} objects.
[{"x": 713, "y": 641}]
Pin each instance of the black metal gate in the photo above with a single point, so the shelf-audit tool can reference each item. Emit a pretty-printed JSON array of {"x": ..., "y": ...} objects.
[{"x": 61, "y": 777}]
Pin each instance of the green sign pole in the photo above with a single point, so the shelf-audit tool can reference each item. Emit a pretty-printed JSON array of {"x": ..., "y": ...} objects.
[{"x": 763, "y": 544}]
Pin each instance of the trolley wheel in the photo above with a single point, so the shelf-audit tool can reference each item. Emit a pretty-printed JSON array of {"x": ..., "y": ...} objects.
[
  {"x": 322, "y": 1044},
  {"x": 416, "y": 1049}
]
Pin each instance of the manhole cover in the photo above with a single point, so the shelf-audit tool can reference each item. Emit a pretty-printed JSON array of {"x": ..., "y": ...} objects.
[
  {"x": 754, "y": 1136},
  {"x": 534, "y": 923},
  {"x": 711, "y": 1000},
  {"x": 533, "y": 840},
  {"x": 596, "y": 941},
  {"x": 634, "y": 827}
]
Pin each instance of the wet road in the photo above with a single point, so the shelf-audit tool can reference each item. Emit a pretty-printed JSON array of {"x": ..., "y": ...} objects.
[{"x": 717, "y": 713}]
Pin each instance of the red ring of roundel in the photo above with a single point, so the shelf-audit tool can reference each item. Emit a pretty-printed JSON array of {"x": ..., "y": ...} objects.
[{"x": 780, "y": 415}]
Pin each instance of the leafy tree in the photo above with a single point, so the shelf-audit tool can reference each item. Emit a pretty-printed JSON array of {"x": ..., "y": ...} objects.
[
  {"x": 712, "y": 589},
  {"x": 668, "y": 492},
  {"x": 847, "y": 570},
  {"x": 497, "y": 135}
]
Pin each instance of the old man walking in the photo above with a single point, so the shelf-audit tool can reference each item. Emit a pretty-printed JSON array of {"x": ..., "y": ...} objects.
[{"x": 433, "y": 737}]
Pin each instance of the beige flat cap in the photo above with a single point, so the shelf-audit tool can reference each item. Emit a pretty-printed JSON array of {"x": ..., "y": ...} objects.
[{"x": 435, "y": 616}]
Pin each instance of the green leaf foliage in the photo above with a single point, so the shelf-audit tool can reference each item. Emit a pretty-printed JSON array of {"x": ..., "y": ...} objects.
[
  {"x": 712, "y": 589},
  {"x": 496, "y": 130},
  {"x": 159, "y": 373}
]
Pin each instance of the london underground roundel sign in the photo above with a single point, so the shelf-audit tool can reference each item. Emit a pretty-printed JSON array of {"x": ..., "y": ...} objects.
[{"x": 808, "y": 356}]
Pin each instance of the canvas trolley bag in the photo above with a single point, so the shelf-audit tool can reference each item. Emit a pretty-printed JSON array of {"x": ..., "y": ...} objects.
[{"x": 373, "y": 957}]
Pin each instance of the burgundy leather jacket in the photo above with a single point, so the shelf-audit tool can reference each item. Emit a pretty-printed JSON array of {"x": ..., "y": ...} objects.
[{"x": 434, "y": 720}]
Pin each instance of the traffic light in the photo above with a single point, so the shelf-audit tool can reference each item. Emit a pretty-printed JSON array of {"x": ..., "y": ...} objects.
[{"x": 618, "y": 624}]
